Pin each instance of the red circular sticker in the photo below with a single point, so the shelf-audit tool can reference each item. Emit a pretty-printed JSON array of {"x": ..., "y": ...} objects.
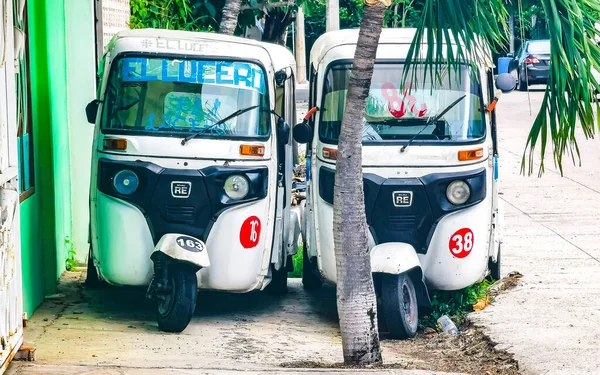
[
  {"x": 461, "y": 243},
  {"x": 250, "y": 232}
]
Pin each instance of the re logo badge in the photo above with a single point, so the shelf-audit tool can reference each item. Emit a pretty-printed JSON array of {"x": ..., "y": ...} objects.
[
  {"x": 402, "y": 198},
  {"x": 181, "y": 189}
]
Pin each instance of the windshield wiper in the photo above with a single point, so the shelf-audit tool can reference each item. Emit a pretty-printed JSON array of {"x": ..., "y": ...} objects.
[
  {"x": 233, "y": 115},
  {"x": 432, "y": 120}
]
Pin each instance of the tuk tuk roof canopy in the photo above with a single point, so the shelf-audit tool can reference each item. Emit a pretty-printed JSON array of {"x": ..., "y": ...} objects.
[
  {"x": 340, "y": 45},
  {"x": 202, "y": 44}
]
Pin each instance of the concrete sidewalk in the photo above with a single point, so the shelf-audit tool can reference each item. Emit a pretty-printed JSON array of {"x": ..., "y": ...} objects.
[
  {"x": 91, "y": 370},
  {"x": 552, "y": 237}
]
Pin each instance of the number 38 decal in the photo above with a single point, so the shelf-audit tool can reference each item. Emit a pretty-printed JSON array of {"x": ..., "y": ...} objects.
[
  {"x": 461, "y": 243},
  {"x": 190, "y": 244}
]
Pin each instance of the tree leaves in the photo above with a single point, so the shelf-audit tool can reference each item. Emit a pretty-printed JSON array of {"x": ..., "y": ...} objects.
[
  {"x": 569, "y": 94},
  {"x": 468, "y": 26}
]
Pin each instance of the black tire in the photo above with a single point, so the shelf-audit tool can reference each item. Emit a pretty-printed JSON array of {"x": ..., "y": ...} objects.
[
  {"x": 278, "y": 285},
  {"x": 92, "y": 280},
  {"x": 400, "y": 307},
  {"x": 311, "y": 279},
  {"x": 522, "y": 85},
  {"x": 495, "y": 267},
  {"x": 175, "y": 312}
]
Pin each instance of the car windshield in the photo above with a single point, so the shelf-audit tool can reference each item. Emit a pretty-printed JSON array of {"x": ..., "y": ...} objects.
[
  {"x": 174, "y": 97},
  {"x": 541, "y": 47},
  {"x": 396, "y": 113}
]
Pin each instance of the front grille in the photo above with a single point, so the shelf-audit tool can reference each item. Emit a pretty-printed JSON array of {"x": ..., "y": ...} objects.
[
  {"x": 401, "y": 222},
  {"x": 180, "y": 213}
]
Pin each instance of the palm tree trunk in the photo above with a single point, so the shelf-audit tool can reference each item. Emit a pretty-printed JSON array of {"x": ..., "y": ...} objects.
[
  {"x": 356, "y": 301},
  {"x": 229, "y": 18}
]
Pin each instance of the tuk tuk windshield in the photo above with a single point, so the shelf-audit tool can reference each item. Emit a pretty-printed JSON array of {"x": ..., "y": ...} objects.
[
  {"x": 396, "y": 113},
  {"x": 174, "y": 97}
]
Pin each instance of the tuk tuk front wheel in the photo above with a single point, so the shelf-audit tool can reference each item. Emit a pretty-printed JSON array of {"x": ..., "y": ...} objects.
[
  {"x": 92, "y": 280},
  {"x": 311, "y": 279},
  {"x": 278, "y": 285},
  {"x": 400, "y": 309},
  {"x": 495, "y": 267},
  {"x": 176, "y": 308}
]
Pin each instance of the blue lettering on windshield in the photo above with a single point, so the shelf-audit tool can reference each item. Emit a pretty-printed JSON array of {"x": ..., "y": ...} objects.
[
  {"x": 224, "y": 76},
  {"x": 202, "y": 71},
  {"x": 237, "y": 74},
  {"x": 165, "y": 73},
  {"x": 193, "y": 78}
]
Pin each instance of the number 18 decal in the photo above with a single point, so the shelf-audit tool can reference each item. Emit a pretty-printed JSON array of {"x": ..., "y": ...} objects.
[
  {"x": 461, "y": 243},
  {"x": 250, "y": 232}
]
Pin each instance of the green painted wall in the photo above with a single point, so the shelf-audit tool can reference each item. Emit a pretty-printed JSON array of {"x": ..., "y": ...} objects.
[
  {"x": 62, "y": 81},
  {"x": 56, "y": 59},
  {"x": 81, "y": 80},
  {"x": 37, "y": 215},
  {"x": 32, "y": 257}
]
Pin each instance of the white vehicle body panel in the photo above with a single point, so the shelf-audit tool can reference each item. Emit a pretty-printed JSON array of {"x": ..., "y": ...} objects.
[
  {"x": 394, "y": 258},
  {"x": 441, "y": 269},
  {"x": 121, "y": 238}
]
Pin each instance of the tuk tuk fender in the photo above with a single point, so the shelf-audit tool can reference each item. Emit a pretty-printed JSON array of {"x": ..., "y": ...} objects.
[
  {"x": 397, "y": 258},
  {"x": 183, "y": 248},
  {"x": 394, "y": 258}
]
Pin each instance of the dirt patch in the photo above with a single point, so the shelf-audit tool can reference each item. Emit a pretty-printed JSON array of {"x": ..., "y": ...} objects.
[
  {"x": 469, "y": 352},
  {"x": 508, "y": 282}
]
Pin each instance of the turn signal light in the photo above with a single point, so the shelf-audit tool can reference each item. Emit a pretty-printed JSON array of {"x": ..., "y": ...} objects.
[
  {"x": 330, "y": 153},
  {"x": 252, "y": 150},
  {"x": 115, "y": 144},
  {"x": 467, "y": 155}
]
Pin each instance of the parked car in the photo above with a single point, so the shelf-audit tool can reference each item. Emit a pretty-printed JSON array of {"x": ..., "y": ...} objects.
[{"x": 531, "y": 63}]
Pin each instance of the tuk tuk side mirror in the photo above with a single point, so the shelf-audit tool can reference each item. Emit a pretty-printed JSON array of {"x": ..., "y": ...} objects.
[
  {"x": 506, "y": 82},
  {"x": 283, "y": 131},
  {"x": 280, "y": 78},
  {"x": 91, "y": 110},
  {"x": 303, "y": 132}
]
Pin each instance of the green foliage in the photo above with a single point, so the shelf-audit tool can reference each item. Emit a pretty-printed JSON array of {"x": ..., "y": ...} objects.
[
  {"x": 455, "y": 304},
  {"x": 191, "y": 15},
  {"x": 474, "y": 23},
  {"x": 403, "y": 13},
  {"x": 71, "y": 263},
  {"x": 297, "y": 260}
]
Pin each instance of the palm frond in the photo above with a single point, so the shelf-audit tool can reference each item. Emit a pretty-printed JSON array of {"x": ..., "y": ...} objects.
[
  {"x": 468, "y": 26},
  {"x": 570, "y": 91}
]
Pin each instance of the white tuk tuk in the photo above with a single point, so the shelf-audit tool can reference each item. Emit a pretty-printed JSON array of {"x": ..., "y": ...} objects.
[
  {"x": 192, "y": 168},
  {"x": 430, "y": 164}
]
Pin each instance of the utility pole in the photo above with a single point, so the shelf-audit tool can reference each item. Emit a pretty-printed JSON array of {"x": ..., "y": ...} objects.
[
  {"x": 300, "y": 47},
  {"x": 332, "y": 15}
]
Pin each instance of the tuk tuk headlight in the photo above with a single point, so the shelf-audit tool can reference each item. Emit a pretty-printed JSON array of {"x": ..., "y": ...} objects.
[
  {"x": 458, "y": 192},
  {"x": 126, "y": 182},
  {"x": 236, "y": 187}
]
